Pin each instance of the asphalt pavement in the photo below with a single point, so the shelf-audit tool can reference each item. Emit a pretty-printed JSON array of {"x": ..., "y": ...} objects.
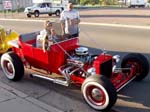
[
  {"x": 126, "y": 16},
  {"x": 13, "y": 100}
]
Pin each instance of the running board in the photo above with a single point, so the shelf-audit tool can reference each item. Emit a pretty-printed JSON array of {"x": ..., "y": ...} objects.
[
  {"x": 126, "y": 83},
  {"x": 57, "y": 81}
]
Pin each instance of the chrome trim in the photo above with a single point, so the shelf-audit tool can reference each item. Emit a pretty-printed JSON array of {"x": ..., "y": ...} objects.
[
  {"x": 126, "y": 84},
  {"x": 13, "y": 43},
  {"x": 57, "y": 81},
  {"x": 65, "y": 40}
]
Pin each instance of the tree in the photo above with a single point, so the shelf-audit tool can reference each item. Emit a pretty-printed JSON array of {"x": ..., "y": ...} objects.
[
  {"x": 84, "y": 2},
  {"x": 93, "y": 2}
]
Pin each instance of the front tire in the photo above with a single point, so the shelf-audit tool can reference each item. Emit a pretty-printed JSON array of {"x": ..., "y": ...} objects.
[
  {"x": 36, "y": 13},
  {"x": 12, "y": 66},
  {"x": 141, "y": 63},
  {"x": 29, "y": 15},
  {"x": 99, "y": 92},
  {"x": 49, "y": 14},
  {"x": 57, "y": 13}
]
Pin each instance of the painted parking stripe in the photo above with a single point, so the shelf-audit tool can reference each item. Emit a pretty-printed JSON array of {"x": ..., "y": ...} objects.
[
  {"x": 85, "y": 23},
  {"x": 21, "y": 20},
  {"x": 116, "y": 25}
]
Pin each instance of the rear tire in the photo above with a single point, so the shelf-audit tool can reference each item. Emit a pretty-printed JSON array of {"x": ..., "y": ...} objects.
[
  {"x": 140, "y": 62},
  {"x": 99, "y": 92},
  {"x": 12, "y": 66}
]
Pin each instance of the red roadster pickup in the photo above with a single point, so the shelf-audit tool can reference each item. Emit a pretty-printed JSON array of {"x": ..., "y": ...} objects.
[{"x": 66, "y": 62}]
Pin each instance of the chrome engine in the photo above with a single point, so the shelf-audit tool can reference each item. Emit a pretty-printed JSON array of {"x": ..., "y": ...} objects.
[
  {"x": 80, "y": 57},
  {"x": 75, "y": 63}
]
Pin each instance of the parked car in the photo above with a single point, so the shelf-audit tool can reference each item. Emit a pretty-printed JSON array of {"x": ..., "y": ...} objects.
[
  {"x": 43, "y": 8},
  {"x": 5, "y": 36},
  {"x": 98, "y": 75}
]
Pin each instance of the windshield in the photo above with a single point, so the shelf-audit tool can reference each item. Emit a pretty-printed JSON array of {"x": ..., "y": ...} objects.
[{"x": 36, "y": 5}]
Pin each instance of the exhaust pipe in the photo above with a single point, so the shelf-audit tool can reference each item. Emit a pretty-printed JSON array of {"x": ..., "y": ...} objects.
[{"x": 57, "y": 81}]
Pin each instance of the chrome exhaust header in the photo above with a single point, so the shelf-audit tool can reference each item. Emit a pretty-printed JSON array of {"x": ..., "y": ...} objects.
[
  {"x": 65, "y": 71},
  {"x": 57, "y": 81}
]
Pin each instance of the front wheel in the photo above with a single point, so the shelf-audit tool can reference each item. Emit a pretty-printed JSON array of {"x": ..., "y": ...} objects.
[
  {"x": 99, "y": 92},
  {"x": 29, "y": 15},
  {"x": 50, "y": 14},
  {"x": 57, "y": 13},
  {"x": 36, "y": 13},
  {"x": 139, "y": 61},
  {"x": 12, "y": 66}
]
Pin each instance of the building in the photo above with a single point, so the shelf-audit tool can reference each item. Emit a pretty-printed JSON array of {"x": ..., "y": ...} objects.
[{"x": 16, "y": 4}]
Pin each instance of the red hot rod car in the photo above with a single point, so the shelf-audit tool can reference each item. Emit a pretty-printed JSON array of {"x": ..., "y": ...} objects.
[{"x": 98, "y": 76}]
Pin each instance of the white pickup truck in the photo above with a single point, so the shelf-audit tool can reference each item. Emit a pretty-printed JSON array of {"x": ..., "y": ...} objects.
[
  {"x": 135, "y": 3},
  {"x": 43, "y": 8}
]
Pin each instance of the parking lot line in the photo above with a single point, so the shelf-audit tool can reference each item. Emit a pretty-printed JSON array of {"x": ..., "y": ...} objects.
[
  {"x": 85, "y": 23},
  {"x": 116, "y": 25}
]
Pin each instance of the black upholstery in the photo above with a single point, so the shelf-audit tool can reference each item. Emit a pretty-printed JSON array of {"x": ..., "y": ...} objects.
[{"x": 29, "y": 36}]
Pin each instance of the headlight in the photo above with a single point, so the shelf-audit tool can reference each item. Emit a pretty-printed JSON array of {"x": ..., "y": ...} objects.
[
  {"x": 27, "y": 10},
  {"x": 91, "y": 71},
  {"x": 117, "y": 58}
]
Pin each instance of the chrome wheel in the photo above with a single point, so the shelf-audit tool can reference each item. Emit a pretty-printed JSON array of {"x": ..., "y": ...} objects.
[{"x": 9, "y": 69}]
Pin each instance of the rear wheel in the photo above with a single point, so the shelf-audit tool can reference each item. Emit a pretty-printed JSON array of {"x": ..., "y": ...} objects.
[
  {"x": 139, "y": 61},
  {"x": 99, "y": 92},
  {"x": 12, "y": 66}
]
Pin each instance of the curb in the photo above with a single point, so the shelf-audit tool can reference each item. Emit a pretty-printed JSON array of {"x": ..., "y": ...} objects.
[{"x": 25, "y": 97}]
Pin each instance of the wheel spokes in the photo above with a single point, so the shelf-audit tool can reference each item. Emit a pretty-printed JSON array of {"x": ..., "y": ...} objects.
[
  {"x": 96, "y": 95},
  {"x": 8, "y": 67}
]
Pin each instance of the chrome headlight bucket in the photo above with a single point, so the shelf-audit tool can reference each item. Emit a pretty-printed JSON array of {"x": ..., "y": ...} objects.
[
  {"x": 117, "y": 58},
  {"x": 91, "y": 71}
]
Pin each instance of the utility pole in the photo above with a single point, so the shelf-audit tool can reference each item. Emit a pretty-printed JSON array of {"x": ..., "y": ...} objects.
[{"x": 17, "y": 2}]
